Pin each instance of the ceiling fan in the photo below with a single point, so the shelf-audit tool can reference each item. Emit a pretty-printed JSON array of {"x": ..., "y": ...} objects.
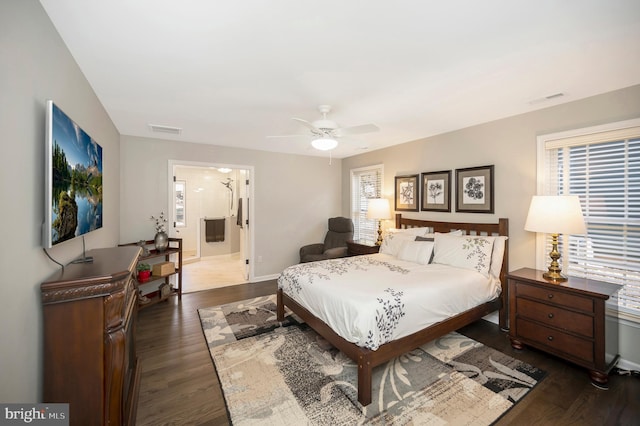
[{"x": 325, "y": 132}]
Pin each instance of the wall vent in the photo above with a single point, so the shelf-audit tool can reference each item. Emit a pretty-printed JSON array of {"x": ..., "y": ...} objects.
[
  {"x": 546, "y": 98},
  {"x": 159, "y": 128}
]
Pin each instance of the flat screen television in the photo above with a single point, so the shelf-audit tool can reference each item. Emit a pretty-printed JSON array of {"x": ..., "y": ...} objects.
[{"x": 73, "y": 180}]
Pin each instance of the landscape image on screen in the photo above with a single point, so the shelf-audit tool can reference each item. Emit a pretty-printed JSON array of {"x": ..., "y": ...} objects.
[{"x": 76, "y": 190}]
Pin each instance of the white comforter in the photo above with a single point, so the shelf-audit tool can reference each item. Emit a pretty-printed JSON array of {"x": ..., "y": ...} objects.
[{"x": 371, "y": 300}]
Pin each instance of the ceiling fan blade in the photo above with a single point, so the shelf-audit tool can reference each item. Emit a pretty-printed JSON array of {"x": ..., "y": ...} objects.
[
  {"x": 358, "y": 130},
  {"x": 307, "y": 124},
  {"x": 287, "y": 136}
]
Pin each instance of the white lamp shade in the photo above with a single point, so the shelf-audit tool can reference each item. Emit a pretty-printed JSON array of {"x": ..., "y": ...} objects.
[
  {"x": 555, "y": 214},
  {"x": 378, "y": 208},
  {"x": 324, "y": 144}
]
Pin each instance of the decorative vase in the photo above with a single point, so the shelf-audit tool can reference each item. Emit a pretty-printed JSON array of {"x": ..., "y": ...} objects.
[{"x": 161, "y": 241}]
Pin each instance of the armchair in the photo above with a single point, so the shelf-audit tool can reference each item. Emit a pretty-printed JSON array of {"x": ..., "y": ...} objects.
[{"x": 335, "y": 242}]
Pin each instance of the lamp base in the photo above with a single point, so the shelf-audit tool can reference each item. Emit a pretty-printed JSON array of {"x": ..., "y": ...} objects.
[
  {"x": 554, "y": 277},
  {"x": 379, "y": 240}
]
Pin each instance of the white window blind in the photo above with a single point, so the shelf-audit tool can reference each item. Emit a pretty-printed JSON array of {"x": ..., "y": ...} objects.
[
  {"x": 603, "y": 169},
  {"x": 366, "y": 183}
]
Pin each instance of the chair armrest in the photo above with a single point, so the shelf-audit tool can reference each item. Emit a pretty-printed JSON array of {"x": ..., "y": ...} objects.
[{"x": 317, "y": 248}]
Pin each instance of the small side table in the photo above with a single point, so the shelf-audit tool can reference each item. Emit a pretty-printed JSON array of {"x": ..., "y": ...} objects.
[
  {"x": 357, "y": 248},
  {"x": 567, "y": 319}
]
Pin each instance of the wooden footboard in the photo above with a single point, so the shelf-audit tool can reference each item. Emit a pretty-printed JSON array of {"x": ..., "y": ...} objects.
[{"x": 367, "y": 359}]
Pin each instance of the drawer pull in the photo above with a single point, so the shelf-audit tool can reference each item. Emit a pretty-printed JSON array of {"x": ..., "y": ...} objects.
[
  {"x": 550, "y": 296},
  {"x": 550, "y": 338},
  {"x": 550, "y": 315}
]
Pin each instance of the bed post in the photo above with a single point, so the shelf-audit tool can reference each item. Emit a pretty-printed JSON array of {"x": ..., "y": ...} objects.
[
  {"x": 280, "y": 308},
  {"x": 503, "y": 313},
  {"x": 364, "y": 380}
]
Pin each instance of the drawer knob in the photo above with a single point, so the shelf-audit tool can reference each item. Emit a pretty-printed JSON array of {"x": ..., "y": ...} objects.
[
  {"x": 550, "y": 315},
  {"x": 550, "y": 296},
  {"x": 550, "y": 338}
]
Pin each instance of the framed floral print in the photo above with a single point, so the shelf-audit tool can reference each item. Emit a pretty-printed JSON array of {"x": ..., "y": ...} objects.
[
  {"x": 436, "y": 191},
  {"x": 407, "y": 193},
  {"x": 474, "y": 190}
]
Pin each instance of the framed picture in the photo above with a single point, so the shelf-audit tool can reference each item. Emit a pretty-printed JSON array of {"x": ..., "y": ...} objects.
[
  {"x": 407, "y": 193},
  {"x": 436, "y": 191},
  {"x": 474, "y": 190}
]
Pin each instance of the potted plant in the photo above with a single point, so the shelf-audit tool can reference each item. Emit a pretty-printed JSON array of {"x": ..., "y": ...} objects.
[{"x": 144, "y": 272}]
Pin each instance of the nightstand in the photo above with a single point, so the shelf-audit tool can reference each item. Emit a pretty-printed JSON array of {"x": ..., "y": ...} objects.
[
  {"x": 566, "y": 319},
  {"x": 357, "y": 248}
]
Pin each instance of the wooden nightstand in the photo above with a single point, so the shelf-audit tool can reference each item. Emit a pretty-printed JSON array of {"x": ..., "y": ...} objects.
[
  {"x": 357, "y": 248},
  {"x": 566, "y": 319}
]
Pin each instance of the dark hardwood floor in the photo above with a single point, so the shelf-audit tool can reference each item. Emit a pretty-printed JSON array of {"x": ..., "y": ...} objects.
[{"x": 179, "y": 385}]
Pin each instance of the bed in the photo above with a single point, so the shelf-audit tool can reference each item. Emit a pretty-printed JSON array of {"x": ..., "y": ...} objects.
[{"x": 395, "y": 299}]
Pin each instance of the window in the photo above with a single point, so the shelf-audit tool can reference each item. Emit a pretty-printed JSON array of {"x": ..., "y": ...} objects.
[
  {"x": 179, "y": 205},
  {"x": 602, "y": 166},
  {"x": 366, "y": 183}
]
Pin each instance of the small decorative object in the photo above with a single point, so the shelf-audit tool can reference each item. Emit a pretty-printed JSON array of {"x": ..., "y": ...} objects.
[
  {"x": 474, "y": 190},
  {"x": 144, "y": 272},
  {"x": 142, "y": 245},
  {"x": 161, "y": 240},
  {"x": 436, "y": 191},
  {"x": 407, "y": 193},
  {"x": 164, "y": 290}
]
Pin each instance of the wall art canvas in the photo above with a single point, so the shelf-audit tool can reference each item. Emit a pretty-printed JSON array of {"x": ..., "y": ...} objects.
[
  {"x": 436, "y": 191},
  {"x": 406, "y": 197},
  {"x": 474, "y": 190}
]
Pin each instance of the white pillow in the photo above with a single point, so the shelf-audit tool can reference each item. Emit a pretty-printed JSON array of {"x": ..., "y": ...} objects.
[
  {"x": 467, "y": 252},
  {"x": 416, "y": 251},
  {"x": 392, "y": 242},
  {"x": 497, "y": 255}
]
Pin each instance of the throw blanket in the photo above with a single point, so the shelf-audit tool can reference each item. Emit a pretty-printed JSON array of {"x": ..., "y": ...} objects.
[{"x": 372, "y": 300}]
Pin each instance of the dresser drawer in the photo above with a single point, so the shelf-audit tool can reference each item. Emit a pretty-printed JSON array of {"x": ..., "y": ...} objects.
[
  {"x": 555, "y": 316},
  {"x": 557, "y": 297},
  {"x": 559, "y": 342}
]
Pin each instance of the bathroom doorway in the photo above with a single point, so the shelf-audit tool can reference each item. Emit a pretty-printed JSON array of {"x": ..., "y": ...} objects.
[{"x": 209, "y": 210}]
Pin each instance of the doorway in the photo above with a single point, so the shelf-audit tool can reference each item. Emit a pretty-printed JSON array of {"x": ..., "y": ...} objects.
[{"x": 209, "y": 210}]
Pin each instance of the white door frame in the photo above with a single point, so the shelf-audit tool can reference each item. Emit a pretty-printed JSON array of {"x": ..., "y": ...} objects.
[{"x": 250, "y": 252}]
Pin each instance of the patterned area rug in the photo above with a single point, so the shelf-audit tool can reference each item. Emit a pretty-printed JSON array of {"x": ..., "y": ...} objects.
[{"x": 290, "y": 375}]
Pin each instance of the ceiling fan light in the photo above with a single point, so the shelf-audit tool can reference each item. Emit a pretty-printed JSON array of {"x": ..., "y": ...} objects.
[{"x": 324, "y": 144}]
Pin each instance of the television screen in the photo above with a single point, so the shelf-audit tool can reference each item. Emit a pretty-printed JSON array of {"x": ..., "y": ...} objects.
[{"x": 73, "y": 179}]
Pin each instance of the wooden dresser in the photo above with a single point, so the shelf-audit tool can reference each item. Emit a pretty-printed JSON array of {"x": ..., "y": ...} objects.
[
  {"x": 566, "y": 319},
  {"x": 89, "y": 321}
]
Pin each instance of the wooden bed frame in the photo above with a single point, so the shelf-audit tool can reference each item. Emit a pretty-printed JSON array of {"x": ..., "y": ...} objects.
[{"x": 368, "y": 359}]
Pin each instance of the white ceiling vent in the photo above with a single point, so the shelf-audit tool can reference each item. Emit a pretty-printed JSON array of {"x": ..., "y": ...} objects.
[
  {"x": 159, "y": 128},
  {"x": 546, "y": 98}
]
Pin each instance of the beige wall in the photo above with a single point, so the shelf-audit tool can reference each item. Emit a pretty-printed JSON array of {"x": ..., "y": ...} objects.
[
  {"x": 294, "y": 195},
  {"x": 36, "y": 66},
  {"x": 510, "y": 145}
]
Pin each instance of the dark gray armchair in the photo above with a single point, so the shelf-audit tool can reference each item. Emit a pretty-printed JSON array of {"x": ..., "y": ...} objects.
[{"x": 335, "y": 242}]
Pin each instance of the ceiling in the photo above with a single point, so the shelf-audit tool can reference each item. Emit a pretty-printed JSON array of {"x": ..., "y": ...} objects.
[{"x": 231, "y": 72}]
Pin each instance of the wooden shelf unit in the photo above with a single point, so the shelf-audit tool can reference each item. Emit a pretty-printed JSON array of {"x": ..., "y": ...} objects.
[{"x": 175, "y": 248}]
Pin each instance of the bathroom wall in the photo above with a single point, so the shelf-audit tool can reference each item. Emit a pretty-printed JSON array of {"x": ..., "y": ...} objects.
[{"x": 207, "y": 197}]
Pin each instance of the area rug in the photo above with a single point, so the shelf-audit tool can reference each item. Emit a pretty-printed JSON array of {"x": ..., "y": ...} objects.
[{"x": 290, "y": 376}]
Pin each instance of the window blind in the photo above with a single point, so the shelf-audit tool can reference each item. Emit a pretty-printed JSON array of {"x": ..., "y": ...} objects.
[
  {"x": 603, "y": 169},
  {"x": 366, "y": 183}
]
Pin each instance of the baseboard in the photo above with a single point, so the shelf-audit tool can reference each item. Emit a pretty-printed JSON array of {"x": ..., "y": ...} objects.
[{"x": 265, "y": 278}]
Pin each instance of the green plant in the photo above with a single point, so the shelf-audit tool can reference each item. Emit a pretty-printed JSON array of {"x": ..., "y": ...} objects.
[{"x": 143, "y": 267}]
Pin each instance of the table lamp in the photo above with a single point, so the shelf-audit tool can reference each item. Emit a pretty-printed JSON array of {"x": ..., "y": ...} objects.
[
  {"x": 555, "y": 214},
  {"x": 378, "y": 208}
]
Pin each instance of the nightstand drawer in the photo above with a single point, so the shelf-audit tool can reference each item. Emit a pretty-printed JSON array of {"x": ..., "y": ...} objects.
[
  {"x": 556, "y": 297},
  {"x": 556, "y": 317},
  {"x": 561, "y": 343}
]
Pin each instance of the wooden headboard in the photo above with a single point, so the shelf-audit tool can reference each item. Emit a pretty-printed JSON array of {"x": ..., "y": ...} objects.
[{"x": 470, "y": 228}]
